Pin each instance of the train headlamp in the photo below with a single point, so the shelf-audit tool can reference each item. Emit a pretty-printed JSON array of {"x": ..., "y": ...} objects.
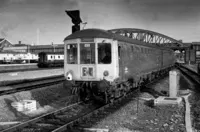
[
  {"x": 69, "y": 76},
  {"x": 106, "y": 73}
]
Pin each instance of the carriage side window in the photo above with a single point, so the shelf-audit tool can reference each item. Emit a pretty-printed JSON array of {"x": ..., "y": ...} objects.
[
  {"x": 119, "y": 51},
  {"x": 72, "y": 53},
  {"x": 104, "y": 53},
  {"x": 87, "y": 53}
]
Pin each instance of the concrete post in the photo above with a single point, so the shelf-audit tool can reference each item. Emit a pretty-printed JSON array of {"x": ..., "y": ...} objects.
[{"x": 174, "y": 83}]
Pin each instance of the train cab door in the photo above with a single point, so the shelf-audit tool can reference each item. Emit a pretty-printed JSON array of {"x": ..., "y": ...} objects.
[{"x": 87, "y": 60}]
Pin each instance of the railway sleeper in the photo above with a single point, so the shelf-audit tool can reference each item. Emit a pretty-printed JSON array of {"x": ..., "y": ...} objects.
[{"x": 41, "y": 126}]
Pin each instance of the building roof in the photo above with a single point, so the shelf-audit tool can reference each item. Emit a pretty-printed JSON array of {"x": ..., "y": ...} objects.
[
  {"x": 196, "y": 43},
  {"x": 46, "y": 46},
  {"x": 1, "y": 39},
  {"x": 19, "y": 45},
  {"x": 4, "y": 43},
  {"x": 187, "y": 44}
]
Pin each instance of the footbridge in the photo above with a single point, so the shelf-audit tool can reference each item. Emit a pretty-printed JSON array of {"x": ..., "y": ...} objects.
[{"x": 150, "y": 37}]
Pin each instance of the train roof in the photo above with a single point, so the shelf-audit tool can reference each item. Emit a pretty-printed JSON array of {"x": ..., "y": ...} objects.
[
  {"x": 60, "y": 53},
  {"x": 100, "y": 33},
  {"x": 90, "y": 33}
]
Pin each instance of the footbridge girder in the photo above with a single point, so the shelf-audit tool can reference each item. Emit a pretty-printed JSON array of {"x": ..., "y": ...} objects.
[{"x": 148, "y": 36}]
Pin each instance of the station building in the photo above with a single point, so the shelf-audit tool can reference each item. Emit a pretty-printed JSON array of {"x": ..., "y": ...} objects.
[
  {"x": 192, "y": 52},
  {"x": 33, "y": 49}
]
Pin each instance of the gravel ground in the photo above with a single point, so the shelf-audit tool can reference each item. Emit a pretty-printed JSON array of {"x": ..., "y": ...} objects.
[
  {"x": 195, "y": 110},
  {"x": 124, "y": 119},
  {"x": 194, "y": 100},
  {"x": 145, "y": 117},
  {"x": 48, "y": 99}
]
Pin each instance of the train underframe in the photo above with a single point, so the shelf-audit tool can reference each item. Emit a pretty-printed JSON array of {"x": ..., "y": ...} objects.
[{"x": 105, "y": 92}]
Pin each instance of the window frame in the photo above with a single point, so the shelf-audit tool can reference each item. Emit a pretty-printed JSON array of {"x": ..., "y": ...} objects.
[
  {"x": 67, "y": 56},
  {"x": 99, "y": 62},
  {"x": 91, "y": 43}
]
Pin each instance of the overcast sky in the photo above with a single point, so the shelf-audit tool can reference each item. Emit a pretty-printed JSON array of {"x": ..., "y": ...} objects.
[{"x": 20, "y": 19}]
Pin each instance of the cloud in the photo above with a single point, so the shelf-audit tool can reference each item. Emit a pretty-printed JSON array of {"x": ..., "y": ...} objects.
[{"x": 5, "y": 29}]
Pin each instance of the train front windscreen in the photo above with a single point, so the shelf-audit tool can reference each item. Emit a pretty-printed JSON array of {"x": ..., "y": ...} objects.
[{"x": 87, "y": 53}]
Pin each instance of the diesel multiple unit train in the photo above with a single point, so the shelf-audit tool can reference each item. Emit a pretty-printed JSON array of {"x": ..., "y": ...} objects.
[{"x": 105, "y": 66}]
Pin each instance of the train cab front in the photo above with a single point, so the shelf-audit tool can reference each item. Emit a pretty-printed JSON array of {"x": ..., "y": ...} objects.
[{"x": 89, "y": 65}]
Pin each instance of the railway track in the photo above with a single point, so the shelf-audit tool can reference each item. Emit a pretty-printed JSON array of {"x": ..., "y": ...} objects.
[
  {"x": 31, "y": 124},
  {"x": 192, "y": 75},
  {"x": 28, "y": 69},
  {"x": 67, "y": 118},
  {"x": 25, "y": 85}
]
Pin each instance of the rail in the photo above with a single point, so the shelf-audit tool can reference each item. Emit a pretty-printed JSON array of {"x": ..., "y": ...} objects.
[
  {"x": 58, "y": 115},
  {"x": 192, "y": 75},
  {"x": 30, "y": 84},
  {"x": 34, "y": 120}
]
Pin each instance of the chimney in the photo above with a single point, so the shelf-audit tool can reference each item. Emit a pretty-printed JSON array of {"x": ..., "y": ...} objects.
[{"x": 20, "y": 42}]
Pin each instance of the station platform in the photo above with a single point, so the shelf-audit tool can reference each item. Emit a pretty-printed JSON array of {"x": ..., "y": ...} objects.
[
  {"x": 10, "y": 67},
  {"x": 23, "y": 75}
]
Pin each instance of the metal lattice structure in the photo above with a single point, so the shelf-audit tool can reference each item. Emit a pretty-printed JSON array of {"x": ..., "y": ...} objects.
[{"x": 147, "y": 36}]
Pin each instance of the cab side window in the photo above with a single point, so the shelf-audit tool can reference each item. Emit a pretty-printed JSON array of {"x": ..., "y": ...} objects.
[
  {"x": 104, "y": 53},
  {"x": 72, "y": 54},
  {"x": 119, "y": 51}
]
